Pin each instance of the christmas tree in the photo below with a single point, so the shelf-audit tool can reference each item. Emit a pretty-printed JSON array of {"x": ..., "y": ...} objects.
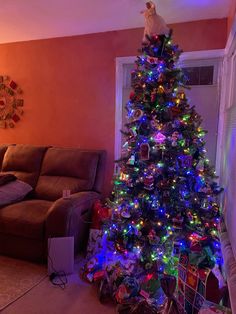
[
  {"x": 164, "y": 200},
  {"x": 165, "y": 197}
]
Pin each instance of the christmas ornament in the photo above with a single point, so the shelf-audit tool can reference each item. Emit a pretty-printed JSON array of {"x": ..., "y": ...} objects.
[
  {"x": 178, "y": 222},
  {"x": 131, "y": 160},
  {"x": 144, "y": 151},
  {"x": 137, "y": 115},
  {"x": 148, "y": 183},
  {"x": 125, "y": 213},
  {"x": 159, "y": 138}
]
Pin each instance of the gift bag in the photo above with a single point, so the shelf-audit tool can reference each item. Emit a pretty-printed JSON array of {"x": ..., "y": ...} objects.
[
  {"x": 99, "y": 214},
  {"x": 195, "y": 285},
  {"x": 168, "y": 284}
]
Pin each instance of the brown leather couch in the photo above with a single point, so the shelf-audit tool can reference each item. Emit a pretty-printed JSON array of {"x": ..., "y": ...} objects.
[{"x": 26, "y": 225}]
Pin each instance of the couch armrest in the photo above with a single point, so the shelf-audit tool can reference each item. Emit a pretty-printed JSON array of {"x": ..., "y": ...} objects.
[{"x": 65, "y": 215}]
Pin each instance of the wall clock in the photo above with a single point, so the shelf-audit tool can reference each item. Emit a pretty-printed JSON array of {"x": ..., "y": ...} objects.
[{"x": 11, "y": 102}]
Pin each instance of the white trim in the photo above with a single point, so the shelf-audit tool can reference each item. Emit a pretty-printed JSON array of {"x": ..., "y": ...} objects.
[
  {"x": 231, "y": 44},
  {"x": 202, "y": 54},
  {"x": 228, "y": 77},
  {"x": 121, "y": 61}
]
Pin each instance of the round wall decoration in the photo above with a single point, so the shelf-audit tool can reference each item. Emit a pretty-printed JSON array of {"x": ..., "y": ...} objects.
[{"x": 11, "y": 102}]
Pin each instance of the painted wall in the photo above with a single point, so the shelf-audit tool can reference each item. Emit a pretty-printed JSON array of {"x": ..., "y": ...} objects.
[{"x": 69, "y": 84}]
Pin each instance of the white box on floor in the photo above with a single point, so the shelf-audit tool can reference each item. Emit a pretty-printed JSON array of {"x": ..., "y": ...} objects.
[{"x": 61, "y": 255}]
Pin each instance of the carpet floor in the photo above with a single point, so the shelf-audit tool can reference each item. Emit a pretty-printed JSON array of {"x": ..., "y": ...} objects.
[{"x": 78, "y": 297}]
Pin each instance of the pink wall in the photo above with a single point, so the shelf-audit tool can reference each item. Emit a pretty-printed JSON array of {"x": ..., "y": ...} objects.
[{"x": 69, "y": 83}]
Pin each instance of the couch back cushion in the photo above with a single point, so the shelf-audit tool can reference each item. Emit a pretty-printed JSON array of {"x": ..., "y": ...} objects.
[
  {"x": 24, "y": 161},
  {"x": 3, "y": 149},
  {"x": 66, "y": 169}
]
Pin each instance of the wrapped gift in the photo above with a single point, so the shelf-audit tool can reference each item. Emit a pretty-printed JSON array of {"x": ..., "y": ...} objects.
[
  {"x": 94, "y": 242},
  {"x": 196, "y": 285},
  {"x": 99, "y": 214},
  {"x": 212, "y": 308}
]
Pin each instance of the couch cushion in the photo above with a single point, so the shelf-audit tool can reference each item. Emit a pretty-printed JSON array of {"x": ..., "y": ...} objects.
[
  {"x": 3, "y": 149},
  {"x": 66, "y": 168},
  {"x": 25, "y": 219},
  {"x": 13, "y": 191},
  {"x": 24, "y": 161}
]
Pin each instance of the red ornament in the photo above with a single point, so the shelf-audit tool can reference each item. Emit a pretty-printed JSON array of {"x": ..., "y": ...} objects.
[
  {"x": 148, "y": 183},
  {"x": 132, "y": 95},
  {"x": 144, "y": 151}
]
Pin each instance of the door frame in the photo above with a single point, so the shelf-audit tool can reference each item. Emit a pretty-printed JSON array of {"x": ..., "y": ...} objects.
[
  {"x": 227, "y": 93},
  {"x": 185, "y": 56}
]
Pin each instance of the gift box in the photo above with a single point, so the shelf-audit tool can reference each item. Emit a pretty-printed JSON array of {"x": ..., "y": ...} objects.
[
  {"x": 94, "y": 242},
  {"x": 196, "y": 285},
  {"x": 212, "y": 308}
]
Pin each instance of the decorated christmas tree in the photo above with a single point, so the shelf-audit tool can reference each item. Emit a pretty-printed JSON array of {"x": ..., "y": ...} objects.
[
  {"x": 164, "y": 199},
  {"x": 164, "y": 196}
]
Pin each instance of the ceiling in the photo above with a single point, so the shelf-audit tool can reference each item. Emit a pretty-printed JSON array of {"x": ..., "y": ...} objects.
[{"x": 22, "y": 20}]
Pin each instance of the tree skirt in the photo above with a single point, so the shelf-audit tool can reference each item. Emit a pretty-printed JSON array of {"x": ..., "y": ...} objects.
[{"x": 17, "y": 277}]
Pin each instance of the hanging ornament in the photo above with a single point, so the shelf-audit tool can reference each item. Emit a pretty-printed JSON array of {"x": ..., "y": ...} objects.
[
  {"x": 132, "y": 96},
  {"x": 155, "y": 123},
  {"x": 148, "y": 183},
  {"x": 161, "y": 89},
  {"x": 125, "y": 213},
  {"x": 205, "y": 205},
  {"x": 153, "y": 238},
  {"x": 131, "y": 160},
  {"x": 174, "y": 138},
  {"x": 155, "y": 205},
  {"x": 144, "y": 151},
  {"x": 154, "y": 95},
  {"x": 159, "y": 138},
  {"x": 133, "y": 132},
  {"x": 182, "y": 95},
  {"x": 178, "y": 222},
  {"x": 137, "y": 114},
  {"x": 123, "y": 176},
  {"x": 152, "y": 60},
  {"x": 161, "y": 78}
]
